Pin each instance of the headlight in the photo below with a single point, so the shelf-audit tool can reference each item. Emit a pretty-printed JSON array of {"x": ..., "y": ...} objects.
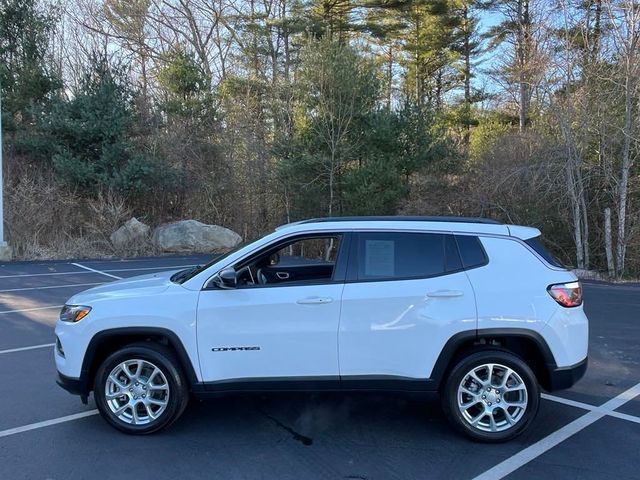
[{"x": 74, "y": 313}]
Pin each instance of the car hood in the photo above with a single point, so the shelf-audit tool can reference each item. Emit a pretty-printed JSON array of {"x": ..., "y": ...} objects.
[{"x": 151, "y": 284}]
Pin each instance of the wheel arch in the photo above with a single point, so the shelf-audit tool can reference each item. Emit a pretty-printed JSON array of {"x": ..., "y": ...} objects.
[
  {"x": 529, "y": 345},
  {"x": 106, "y": 342}
]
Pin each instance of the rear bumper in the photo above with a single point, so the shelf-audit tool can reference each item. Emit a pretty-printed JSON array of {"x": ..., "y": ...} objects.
[{"x": 566, "y": 377}]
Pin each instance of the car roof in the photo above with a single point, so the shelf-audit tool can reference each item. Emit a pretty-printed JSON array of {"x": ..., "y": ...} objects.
[{"x": 419, "y": 223}]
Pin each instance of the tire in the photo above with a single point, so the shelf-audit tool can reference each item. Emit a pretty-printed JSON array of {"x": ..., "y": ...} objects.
[
  {"x": 150, "y": 397},
  {"x": 491, "y": 410}
]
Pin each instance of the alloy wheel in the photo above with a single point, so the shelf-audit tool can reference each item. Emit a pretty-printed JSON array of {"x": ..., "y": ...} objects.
[
  {"x": 137, "y": 392},
  {"x": 492, "y": 397}
]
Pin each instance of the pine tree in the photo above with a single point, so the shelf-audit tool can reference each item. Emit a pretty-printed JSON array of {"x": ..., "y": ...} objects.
[{"x": 25, "y": 79}]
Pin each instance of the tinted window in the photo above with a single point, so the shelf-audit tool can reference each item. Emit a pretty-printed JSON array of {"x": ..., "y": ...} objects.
[
  {"x": 310, "y": 259},
  {"x": 310, "y": 251},
  {"x": 402, "y": 255},
  {"x": 452, "y": 257},
  {"x": 471, "y": 251},
  {"x": 536, "y": 244}
]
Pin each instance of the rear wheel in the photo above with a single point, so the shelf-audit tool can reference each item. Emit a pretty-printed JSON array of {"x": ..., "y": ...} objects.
[
  {"x": 140, "y": 389},
  {"x": 491, "y": 396}
]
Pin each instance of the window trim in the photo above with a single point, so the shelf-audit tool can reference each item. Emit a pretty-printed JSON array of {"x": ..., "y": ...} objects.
[
  {"x": 339, "y": 270},
  {"x": 352, "y": 270}
]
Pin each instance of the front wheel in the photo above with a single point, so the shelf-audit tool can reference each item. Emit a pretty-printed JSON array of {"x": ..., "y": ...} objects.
[
  {"x": 491, "y": 396},
  {"x": 140, "y": 389}
]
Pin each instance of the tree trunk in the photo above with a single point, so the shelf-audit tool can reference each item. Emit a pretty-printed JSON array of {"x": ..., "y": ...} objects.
[
  {"x": 331, "y": 180},
  {"x": 607, "y": 243},
  {"x": 575, "y": 190},
  {"x": 523, "y": 61},
  {"x": 575, "y": 215},
  {"x": 585, "y": 221},
  {"x": 389, "y": 77},
  {"x": 419, "y": 85},
  {"x": 621, "y": 244},
  {"x": 466, "y": 25},
  {"x": 467, "y": 56},
  {"x": 597, "y": 32},
  {"x": 285, "y": 37}
]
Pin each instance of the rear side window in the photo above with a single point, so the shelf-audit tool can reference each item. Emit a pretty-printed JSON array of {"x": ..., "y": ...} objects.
[
  {"x": 398, "y": 255},
  {"x": 471, "y": 251},
  {"x": 540, "y": 249}
]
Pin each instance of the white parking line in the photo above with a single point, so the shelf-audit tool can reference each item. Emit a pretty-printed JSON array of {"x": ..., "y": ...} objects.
[
  {"x": 566, "y": 401},
  {"x": 533, "y": 451},
  {"x": 586, "y": 406},
  {"x": 149, "y": 260},
  {"x": 47, "y": 287},
  {"x": 31, "y": 309},
  {"x": 22, "y": 349},
  {"x": 97, "y": 271},
  {"x": 625, "y": 416},
  {"x": 47, "y": 423},
  {"x": 166, "y": 267}
]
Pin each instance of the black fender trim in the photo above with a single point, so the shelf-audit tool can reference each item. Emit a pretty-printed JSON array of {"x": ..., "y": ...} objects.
[
  {"x": 273, "y": 384},
  {"x": 565, "y": 377},
  {"x": 447, "y": 354},
  {"x": 558, "y": 378},
  {"x": 349, "y": 383},
  {"x": 84, "y": 386}
]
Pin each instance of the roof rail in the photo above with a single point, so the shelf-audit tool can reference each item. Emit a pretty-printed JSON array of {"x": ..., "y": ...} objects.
[{"x": 402, "y": 218}]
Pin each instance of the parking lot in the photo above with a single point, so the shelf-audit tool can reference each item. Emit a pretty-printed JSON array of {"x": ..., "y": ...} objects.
[{"x": 589, "y": 432}]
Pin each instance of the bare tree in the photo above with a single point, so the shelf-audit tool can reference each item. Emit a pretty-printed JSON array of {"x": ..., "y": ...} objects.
[
  {"x": 523, "y": 62},
  {"x": 625, "y": 27}
]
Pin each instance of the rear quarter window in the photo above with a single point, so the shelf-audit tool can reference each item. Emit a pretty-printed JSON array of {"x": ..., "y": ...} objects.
[
  {"x": 471, "y": 251},
  {"x": 540, "y": 249}
]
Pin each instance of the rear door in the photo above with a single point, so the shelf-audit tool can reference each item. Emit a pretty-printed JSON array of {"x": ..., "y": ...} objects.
[{"x": 406, "y": 295}]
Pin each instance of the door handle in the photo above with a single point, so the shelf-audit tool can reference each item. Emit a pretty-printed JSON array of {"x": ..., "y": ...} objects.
[
  {"x": 445, "y": 294},
  {"x": 282, "y": 275},
  {"x": 314, "y": 300}
]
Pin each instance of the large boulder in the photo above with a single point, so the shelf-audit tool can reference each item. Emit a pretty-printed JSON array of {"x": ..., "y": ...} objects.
[
  {"x": 132, "y": 232},
  {"x": 193, "y": 236}
]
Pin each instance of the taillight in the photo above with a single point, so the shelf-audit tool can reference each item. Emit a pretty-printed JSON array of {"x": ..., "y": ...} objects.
[{"x": 566, "y": 294}]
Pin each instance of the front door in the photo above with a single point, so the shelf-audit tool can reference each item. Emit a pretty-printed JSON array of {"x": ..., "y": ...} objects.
[{"x": 282, "y": 319}]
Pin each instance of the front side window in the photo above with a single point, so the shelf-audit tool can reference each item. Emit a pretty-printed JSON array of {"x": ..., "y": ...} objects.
[
  {"x": 398, "y": 255},
  {"x": 304, "y": 260}
]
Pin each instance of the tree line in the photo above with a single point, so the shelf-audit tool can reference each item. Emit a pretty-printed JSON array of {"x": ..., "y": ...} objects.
[{"x": 252, "y": 113}]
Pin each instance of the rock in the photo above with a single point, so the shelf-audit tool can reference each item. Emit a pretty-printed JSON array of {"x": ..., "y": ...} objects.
[
  {"x": 193, "y": 236},
  {"x": 6, "y": 253},
  {"x": 133, "y": 231},
  {"x": 589, "y": 274}
]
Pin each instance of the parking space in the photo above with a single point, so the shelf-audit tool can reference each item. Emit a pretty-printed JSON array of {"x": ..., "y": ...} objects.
[
  {"x": 606, "y": 450},
  {"x": 32, "y": 396},
  {"x": 589, "y": 432}
]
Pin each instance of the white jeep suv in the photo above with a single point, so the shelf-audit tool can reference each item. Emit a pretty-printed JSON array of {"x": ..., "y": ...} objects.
[{"x": 474, "y": 309}]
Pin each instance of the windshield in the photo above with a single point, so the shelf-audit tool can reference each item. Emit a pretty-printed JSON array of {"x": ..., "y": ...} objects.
[{"x": 184, "y": 275}]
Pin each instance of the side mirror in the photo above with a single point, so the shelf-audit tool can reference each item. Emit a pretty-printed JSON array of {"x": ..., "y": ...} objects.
[
  {"x": 226, "y": 278},
  {"x": 274, "y": 259}
]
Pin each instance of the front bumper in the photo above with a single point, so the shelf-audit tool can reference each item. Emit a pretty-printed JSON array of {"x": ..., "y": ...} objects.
[
  {"x": 75, "y": 386},
  {"x": 561, "y": 378}
]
